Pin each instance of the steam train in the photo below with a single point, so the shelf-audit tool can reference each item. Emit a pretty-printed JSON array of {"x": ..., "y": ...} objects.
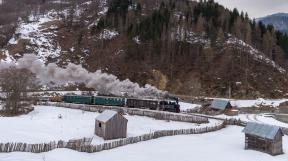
[{"x": 152, "y": 104}]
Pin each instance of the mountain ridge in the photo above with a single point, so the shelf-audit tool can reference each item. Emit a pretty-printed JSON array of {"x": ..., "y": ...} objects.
[
  {"x": 278, "y": 20},
  {"x": 181, "y": 46}
]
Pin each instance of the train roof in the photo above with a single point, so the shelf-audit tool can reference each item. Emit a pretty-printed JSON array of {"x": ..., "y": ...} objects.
[
  {"x": 146, "y": 99},
  {"x": 94, "y": 96},
  {"x": 152, "y": 99}
]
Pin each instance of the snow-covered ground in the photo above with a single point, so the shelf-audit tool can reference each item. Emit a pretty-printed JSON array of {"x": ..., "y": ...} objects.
[
  {"x": 223, "y": 145},
  {"x": 184, "y": 106},
  {"x": 107, "y": 34},
  {"x": 257, "y": 102},
  {"x": 254, "y": 102},
  {"x": 43, "y": 125},
  {"x": 260, "y": 118}
]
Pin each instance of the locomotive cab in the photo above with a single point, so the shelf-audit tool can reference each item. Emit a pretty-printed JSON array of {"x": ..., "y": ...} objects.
[{"x": 171, "y": 106}]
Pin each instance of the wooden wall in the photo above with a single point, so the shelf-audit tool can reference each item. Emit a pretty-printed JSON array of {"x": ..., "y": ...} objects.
[
  {"x": 115, "y": 128},
  {"x": 99, "y": 131},
  {"x": 273, "y": 147}
]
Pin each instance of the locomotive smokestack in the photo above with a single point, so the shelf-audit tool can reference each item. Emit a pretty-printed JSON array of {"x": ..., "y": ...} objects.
[{"x": 102, "y": 82}]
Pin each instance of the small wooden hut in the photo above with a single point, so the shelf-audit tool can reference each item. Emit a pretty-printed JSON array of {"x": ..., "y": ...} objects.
[
  {"x": 263, "y": 137},
  {"x": 111, "y": 125},
  {"x": 221, "y": 105}
]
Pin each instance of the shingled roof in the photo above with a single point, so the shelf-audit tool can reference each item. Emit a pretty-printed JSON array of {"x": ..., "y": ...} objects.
[
  {"x": 219, "y": 104},
  {"x": 263, "y": 130}
]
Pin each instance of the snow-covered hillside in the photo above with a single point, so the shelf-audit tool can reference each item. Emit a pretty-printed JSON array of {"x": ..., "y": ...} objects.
[
  {"x": 40, "y": 32},
  {"x": 223, "y": 145},
  {"x": 257, "y": 55}
]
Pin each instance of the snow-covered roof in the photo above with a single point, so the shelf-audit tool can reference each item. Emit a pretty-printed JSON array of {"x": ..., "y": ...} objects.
[
  {"x": 219, "y": 104},
  {"x": 263, "y": 130},
  {"x": 106, "y": 115}
]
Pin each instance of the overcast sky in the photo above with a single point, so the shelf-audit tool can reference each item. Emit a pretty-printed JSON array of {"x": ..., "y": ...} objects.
[{"x": 257, "y": 8}]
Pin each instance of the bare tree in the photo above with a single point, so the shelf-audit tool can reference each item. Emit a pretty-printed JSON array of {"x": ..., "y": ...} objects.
[{"x": 15, "y": 84}]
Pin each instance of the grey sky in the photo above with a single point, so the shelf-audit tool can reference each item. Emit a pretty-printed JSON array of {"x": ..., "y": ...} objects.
[{"x": 257, "y": 8}]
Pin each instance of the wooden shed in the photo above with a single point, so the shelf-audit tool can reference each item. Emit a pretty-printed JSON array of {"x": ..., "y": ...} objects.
[
  {"x": 221, "y": 105},
  {"x": 111, "y": 125},
  {"x": 263, "y": 137}
]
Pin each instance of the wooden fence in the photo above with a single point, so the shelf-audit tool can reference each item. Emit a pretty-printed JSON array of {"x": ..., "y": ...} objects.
[
  {"x": 84, "y": 145},
  {"x": 236, "y": 122},
  {"x": 160, "y": 115}
]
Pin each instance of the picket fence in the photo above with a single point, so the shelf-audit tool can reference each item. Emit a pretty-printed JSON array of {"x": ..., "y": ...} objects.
[
  {"x": 160, "y": 115},
  {"x": 84, "y": 145},
  {"x": 236, "y": 122}
]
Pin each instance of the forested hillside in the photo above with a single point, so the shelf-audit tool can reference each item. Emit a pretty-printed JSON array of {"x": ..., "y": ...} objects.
[{"x": 185, "y": 47}]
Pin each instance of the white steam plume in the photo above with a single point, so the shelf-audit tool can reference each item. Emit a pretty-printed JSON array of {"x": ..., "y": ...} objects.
[{"x": 102, "y": 82}]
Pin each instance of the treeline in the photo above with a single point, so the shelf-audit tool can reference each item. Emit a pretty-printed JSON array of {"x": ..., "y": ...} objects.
[
  {"x": 282, "y": 40},
  {"x": 204, "y": 17}
]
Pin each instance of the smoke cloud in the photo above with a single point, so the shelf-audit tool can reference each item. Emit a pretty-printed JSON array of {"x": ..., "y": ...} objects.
[{"x": 102, "y": 82}]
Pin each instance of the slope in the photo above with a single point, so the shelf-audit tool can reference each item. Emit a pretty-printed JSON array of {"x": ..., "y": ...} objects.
[{"x": 181, "y": 46}]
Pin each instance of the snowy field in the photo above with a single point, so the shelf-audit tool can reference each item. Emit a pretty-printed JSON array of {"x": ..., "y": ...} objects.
[
  {"x": 188, "y": 106},
  {"x": 223, "y": 145},
  {"x": 43, "y": 125}
]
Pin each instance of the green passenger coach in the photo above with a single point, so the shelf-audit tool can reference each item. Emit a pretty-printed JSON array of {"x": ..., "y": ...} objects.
[
  {"x": 109, "y": 101},
  {"x": 78, "y": 99},
  {"x": 95, "y": 100}
]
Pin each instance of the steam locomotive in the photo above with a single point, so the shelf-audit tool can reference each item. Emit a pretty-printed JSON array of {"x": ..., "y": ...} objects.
[{"x": 152, "y": 104}]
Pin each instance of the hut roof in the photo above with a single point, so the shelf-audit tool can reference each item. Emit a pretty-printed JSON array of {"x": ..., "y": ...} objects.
[
  {"x": 263, "y": 130},
  {"x": 106, "y": 115},
  {"x": 219, "y": 104}
]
